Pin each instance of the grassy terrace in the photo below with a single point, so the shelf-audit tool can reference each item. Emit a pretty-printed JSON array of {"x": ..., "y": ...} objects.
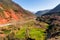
[{"x": 31, "y": 30}]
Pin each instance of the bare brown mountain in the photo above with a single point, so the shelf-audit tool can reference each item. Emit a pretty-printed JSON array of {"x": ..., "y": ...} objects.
[{"x": 9, "y": 11}]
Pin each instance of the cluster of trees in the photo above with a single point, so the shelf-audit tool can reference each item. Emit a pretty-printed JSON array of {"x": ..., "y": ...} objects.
[{"x": 54, "y": 24}]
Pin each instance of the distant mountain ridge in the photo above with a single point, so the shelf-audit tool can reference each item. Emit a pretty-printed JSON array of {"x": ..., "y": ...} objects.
[
  {"x": 39, "y": 13},
  {"x": 55, "y": 10},
  {"x": 49, "y": 12}
]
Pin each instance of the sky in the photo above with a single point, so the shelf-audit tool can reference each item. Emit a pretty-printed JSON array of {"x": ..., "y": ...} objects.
[{"x": 37, "y": 5}]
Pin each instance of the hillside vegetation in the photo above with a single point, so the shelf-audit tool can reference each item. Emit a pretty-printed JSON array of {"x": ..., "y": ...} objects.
[
  {"x": 31, "y": 30},
  {"x": 53, "y": 31}
]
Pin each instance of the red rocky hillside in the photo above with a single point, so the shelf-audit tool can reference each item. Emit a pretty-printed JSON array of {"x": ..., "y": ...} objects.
[{"x": 11, "y": 11}]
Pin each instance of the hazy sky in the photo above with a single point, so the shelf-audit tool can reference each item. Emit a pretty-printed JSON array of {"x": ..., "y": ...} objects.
[{"x": 36, "y": 5}]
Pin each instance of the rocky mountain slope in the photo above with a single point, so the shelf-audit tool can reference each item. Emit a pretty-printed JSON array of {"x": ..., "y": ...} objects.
[{"x": 10, "y": 11}]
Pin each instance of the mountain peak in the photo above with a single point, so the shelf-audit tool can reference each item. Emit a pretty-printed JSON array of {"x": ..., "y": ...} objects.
[
  {"x": 56, "y": 9},
  {"x": 58, "y": 5}
]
